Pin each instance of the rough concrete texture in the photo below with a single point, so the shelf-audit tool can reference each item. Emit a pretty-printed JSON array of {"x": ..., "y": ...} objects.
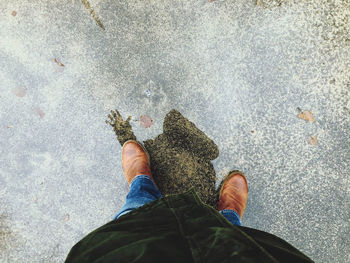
[{"x": 239, "y": 70}]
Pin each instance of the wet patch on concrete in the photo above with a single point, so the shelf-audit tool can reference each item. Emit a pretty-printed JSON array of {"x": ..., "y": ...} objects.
[
  {"x": 122, "y": 128},
  {"x": 268, "y": 3},
  {"x": 180, "y": 156},
  {"x": 19, "y": 91},
  {"x": 7, "y": 238}
]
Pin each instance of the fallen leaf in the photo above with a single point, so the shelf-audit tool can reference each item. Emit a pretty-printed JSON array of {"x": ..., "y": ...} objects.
[
  {"x": 307, "y": 116},
  {"x": 14, "y": 13},
  {"x": 19, "y": 91},
  {"x": 313, "y": 140},
  {"x": 39, "y": 112},
  {"x": 145, "y": 121},
  {"x": 66, "y": 218},
  {"x": 57, "y": 66},
  {"x": 58, "y": 63}
]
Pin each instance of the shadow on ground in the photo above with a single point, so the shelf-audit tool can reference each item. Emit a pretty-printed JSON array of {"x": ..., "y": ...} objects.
[{"x": 180, "y": 156}]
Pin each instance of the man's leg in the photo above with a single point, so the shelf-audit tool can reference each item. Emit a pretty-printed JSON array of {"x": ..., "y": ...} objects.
[
  {"x": 233, "y": 197},
  {"x": 142, "y": 191},
  {"x": 137, "y": 171}
]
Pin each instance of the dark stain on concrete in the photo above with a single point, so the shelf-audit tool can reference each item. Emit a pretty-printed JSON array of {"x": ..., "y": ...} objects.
[
  {"x": 268, "y": 3},
  {"x": 92, "y": 12},
  {"x": 7, "y": 237},
  {"x": 180, "y": 156}
]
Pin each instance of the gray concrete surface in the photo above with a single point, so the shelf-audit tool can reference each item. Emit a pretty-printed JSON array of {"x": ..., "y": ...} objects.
[{"x": 237, "y": 69}]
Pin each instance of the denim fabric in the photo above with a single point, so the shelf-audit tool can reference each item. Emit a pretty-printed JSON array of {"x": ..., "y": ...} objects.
[
  {"x": 143, "y": 190},
  {"x": 231, "y": 216}
]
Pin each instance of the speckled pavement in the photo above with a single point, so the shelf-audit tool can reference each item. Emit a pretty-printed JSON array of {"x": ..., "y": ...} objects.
[{"x": 242, "y": 71}]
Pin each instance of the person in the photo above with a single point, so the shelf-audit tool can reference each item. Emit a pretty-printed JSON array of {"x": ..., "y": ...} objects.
[{"x": 179, "y": 227}]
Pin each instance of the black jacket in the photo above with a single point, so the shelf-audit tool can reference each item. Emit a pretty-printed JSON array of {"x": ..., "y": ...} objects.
[{"x": 180, "y": 228}]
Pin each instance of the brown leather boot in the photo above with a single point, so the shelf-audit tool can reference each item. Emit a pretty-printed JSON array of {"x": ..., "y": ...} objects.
[
  {"x": 234, "y": 193},
  {"x": 135, "y": 160}
]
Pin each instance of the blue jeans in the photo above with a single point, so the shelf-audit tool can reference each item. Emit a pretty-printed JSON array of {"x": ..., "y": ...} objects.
[{"x": 143, "y": 191}]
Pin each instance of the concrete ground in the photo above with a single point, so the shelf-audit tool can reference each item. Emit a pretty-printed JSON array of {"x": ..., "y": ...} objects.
[{"x": 242, "y": 71}]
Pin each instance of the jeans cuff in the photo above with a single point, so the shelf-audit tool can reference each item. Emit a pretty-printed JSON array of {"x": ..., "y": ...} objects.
[
  {"x": 141, "y": 177},
  {"x": 142, "y": 191},
  {"x": 232, "y": 216}
]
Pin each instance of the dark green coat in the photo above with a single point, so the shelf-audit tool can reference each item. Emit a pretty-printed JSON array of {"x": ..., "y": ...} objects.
[{"x": 180, "y": 228}]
